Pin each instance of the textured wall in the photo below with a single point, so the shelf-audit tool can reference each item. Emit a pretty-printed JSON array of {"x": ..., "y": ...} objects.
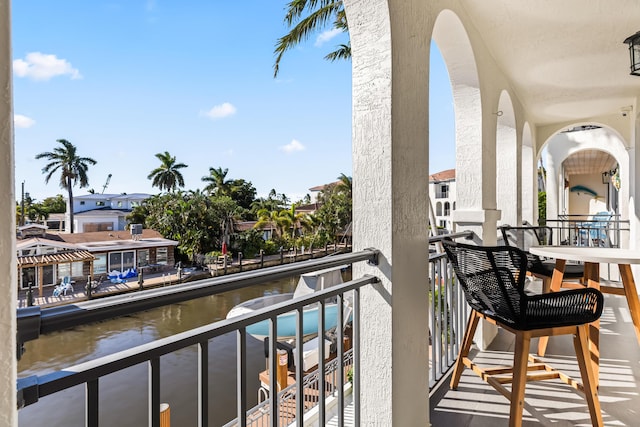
[
  {"x": 390, "y": 44},
  {"x": 8, "y": 413}
]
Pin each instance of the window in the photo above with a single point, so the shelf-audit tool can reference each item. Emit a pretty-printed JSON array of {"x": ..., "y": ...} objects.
[
  {"x": 162, "y": 256},
  {"x": 143, "y": 257},
  {"x": 100, "y": 264},
  {"x": 76, "y": 269},
  {"x": 115, "y": 260},
  {"x": 447, "y": 209},
  {"x": 64, "y": 270},
  {"x": 442, "y": 191},
  {"x": 438, "y": 209},
  {"x": 81, "y": 202},
  {"x": 121, "y": 261},
  {"x": 134, "y": 204},
  {"x": 100, "y": 203},
  {"x": 119, "y": 203}
]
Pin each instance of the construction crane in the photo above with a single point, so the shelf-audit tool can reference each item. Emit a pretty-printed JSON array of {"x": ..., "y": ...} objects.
[{"x": 104, "y": 187}]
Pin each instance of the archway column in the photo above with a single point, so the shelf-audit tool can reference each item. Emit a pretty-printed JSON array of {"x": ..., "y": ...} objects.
[
  {"x": 390, "y": 47},
  {"x": 8, "y": 257}
]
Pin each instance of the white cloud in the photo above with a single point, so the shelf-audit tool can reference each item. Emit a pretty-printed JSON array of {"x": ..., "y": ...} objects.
[
  {"x": 325, "y": 36},
  {"x": 220, "y": 111},
  {"x": 39, "y": 66},
  {"x": 294, "y": 145},
  {"x": 23, "y": 122}
]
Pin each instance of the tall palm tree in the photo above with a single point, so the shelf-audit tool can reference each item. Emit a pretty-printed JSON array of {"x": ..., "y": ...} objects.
[
  {"x": 72, "y": 168},
  {"x": 167, "y": 176},
  {"x": 217, "y": 184},
  {"x": 318, "y": 14}
]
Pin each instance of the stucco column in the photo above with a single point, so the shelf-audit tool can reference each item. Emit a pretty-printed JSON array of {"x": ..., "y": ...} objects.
[
  {"x": 8, "y": 412},
  {"x": 390, "y": 47}
]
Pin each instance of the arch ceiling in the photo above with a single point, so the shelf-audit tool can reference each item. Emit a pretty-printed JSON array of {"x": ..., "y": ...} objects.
[{"x": 565, "y": 59}]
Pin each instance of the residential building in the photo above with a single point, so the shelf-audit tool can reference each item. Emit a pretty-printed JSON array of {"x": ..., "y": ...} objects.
[
  {"x": 103, "y": 212},
  {"x": 44, "y": 259},
  {"x": 442, "y": 194}
]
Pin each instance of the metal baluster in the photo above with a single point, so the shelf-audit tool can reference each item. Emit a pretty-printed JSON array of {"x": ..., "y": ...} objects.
[
  {"x": 91, "y": 404},
  {"x": 241, "y": 376},
  {"x": 203, "y": 384},
  {"x": 154, "y": 392}
]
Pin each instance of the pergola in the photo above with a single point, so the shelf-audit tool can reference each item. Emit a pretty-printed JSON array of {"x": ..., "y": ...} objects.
[{"x": 42, "y": 260}]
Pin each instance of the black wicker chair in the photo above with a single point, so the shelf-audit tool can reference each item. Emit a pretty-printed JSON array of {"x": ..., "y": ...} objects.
[
  {"x": 526, "y": 236},
  {"x": 493, "y": 282}
]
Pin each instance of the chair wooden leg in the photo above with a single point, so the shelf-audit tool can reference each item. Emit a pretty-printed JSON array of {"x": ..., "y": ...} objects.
[
  {"x": 589, "y": 382},
  {"x": 472, "y": 324},
  {"x": 520, "y": 363},
  {"x": 543, "y": 341}
]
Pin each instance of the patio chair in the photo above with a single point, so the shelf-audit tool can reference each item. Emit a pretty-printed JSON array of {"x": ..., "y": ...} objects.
[
  {"x": 595, "y": 231},
  {"x": 526, "y": 236},
  {"x": 492, "y": 279}
]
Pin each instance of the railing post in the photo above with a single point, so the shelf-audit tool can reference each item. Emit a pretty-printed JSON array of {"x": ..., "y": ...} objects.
[
  {"x": 239, "y": 261},
  {"x": 281, "y": 256},
  {"x": 261, "y": 258},
  {"x": 88, "y": 287},
  {"x": 30, "y": 295},
  {"x": 141, "y": 278},
  {"x": 295, "y": 253}
]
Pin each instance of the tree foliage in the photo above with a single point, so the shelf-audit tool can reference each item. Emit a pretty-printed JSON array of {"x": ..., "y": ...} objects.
[
  {"x": 305, "y": 17},
  {"x": 167, "y": 176},
  {"x": 71, "y": 167}
]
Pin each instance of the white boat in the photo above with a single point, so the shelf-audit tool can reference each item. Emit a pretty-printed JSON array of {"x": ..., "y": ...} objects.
[{"x": 308, "y": 283}]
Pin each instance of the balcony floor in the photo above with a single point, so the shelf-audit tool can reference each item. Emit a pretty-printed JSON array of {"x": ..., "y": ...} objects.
[{"x": 477, "y": 404}]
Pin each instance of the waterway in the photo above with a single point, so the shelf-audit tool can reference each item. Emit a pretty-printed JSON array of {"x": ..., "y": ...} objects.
[{"x": 123, "y": 395}]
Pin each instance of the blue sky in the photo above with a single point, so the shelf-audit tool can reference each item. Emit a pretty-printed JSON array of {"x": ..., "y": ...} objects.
[{"x": 123, "y": 80}]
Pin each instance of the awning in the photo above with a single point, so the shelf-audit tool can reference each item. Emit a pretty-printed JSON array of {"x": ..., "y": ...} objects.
[{"x": 55, "y": 258}]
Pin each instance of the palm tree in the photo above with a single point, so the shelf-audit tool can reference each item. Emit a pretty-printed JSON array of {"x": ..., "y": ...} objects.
[
  {"x": 319, "y": 13},
  {"x": 217, "y": 184},
  {"x": 345, "y": 185},
  {"x": 72, "y": 168},
  {"x": 167, "y": 175}
]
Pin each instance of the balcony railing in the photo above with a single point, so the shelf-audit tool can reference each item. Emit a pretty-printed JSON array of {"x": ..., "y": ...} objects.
[
  {"x": 582, "y": 230},
  {"x": 447, "y": 321}
]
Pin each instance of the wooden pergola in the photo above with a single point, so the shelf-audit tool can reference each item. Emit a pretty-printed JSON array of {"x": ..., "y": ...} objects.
[{"x": 43, "y": 260}]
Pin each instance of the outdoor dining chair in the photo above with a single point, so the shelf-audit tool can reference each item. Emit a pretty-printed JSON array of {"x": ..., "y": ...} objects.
[{"x": 492, "y": 279}]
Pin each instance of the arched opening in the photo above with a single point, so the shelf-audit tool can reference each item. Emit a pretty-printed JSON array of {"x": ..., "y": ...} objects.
[{"x": 530, "y": 187}]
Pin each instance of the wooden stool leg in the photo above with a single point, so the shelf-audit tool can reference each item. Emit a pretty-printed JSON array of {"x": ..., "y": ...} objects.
[
  {"x": 554, "y": 285},
  {"x": 520, "y": 363},
  {"x": 589, "y": 382},
  {"x": 472, "y": 324}
]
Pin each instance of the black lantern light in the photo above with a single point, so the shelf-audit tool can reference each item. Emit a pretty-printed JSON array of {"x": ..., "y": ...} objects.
[{"x": 634, "y": 53}]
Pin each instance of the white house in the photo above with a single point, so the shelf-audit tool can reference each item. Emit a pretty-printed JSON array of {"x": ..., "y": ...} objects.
[{"x": 103, "y": 212}]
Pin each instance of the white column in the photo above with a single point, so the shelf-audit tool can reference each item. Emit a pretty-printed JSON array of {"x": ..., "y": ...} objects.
[
  {"x": 390, "y": 46},
  {"x": 8, "y": 412}
]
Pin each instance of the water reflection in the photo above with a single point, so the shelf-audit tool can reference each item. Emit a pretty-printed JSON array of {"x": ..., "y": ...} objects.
[{"x": 123, "y": 395}]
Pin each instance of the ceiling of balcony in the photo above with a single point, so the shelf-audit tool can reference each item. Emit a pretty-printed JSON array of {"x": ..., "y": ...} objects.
[
  {"x": 566, "y": 59},
  {"x": 588, "y": 162}
]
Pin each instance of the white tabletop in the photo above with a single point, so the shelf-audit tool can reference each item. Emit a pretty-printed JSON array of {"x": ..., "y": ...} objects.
[{"x": 588, "y": 254}]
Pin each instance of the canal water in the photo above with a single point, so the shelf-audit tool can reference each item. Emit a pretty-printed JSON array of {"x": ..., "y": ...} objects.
[{"x": 124, "y": 395}]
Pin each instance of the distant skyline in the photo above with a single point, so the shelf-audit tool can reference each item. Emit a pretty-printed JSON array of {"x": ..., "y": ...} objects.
[{"x": 126, "y": 80}]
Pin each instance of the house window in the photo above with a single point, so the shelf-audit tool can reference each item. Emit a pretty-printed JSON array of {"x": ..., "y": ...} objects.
[
  {"x": 76, "y": 269},
  {"x": 119, "y": 203},
  {"x": 100, "y": 203},
  {"x": 442, "y": 191},
  {"x": 143, "y": 257},
  {"x": 438, "y": 209},
  {"x": 64, "y": 270},
  {"x": 100, "y": 264},
  {"x": 121, "y": 261},
  {"x": 134, "y": 204},
  {"x": 81, "y": 202},
  {"x": 162, "y": 256},
  {"x": 447, "y": 209}
]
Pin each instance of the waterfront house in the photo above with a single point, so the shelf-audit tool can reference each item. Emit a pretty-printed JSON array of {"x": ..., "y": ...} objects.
[
  {"x": 521, "y": 73},
  {"x": 44, "y": 259}
]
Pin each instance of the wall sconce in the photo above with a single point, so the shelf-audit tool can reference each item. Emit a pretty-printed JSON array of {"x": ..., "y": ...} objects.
[
  {"x": 608, "y": 175},
  {"x": 634, "y": 52}
]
